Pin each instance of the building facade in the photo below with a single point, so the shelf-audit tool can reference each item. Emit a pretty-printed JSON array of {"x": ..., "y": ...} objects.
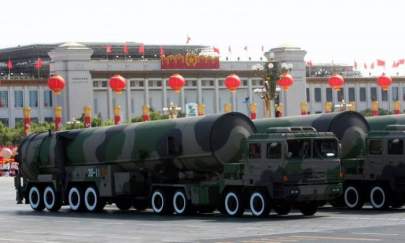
[{"x": 87, "y": 69}]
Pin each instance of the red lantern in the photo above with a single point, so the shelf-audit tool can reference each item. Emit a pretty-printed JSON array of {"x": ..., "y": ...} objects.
[
  {"x": 56, "y": 83},
  {"x": 117, "y": 83},
  {"x": 232, "y": 82},
  {"x": 384, "y": 82},
  {"x": 336, "y": 82},
  {"x": 176, "y": 82},
  {"x": 285, "y": 81}
]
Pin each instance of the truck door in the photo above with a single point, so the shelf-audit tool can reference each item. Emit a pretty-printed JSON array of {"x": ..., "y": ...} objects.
[
  {"x": 395, "y": 164},
  {"x": 297, "y": 164},
  {"x": 256, "y": 163},
  {"x": 375, "y": 158}
]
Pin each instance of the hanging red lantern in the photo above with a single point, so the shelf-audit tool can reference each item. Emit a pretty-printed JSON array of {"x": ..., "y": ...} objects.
[
  {"x": 117, "y": 83},
  {"x": 285, "y": 81},
  {"x": 56, "y": 83},
  {"x": 232, "y": 82},
  {"x": 384, "y": 82},
  {"x": 336, "y": 82},
  {"x": 176, "y": 82}
]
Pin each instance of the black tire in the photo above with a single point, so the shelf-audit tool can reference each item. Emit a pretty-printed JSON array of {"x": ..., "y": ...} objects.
[
  {"x": 92, "y": 200},
  {"x": 51, "y": 198},
  {"x": 160, "y": 202},
  {"x": 140, "y": 205},
  {"x": 352, "y": 197},
  {"x": 259, "y": 204},
  {"x": 379, "y": 197},
  {"x": 308, "y": 209},
  {"x": 282, "y": 209},
  {"x": 233, "y": 203},
  {"x": 75, "y": 199},
  {"x": 181, "y": 205},
  {"x": 123, "y": 204},
  {"x": 397, "y": 200},
  {"x": 35, "y": 198}
]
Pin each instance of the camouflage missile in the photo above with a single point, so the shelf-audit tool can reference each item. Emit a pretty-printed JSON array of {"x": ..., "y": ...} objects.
[
  {"x": 199, "y": 144},
  {"x": 349, "y": 127},
  {"x": 381, "y": 122}
]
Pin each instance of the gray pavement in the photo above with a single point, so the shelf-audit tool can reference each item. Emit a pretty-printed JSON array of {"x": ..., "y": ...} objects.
[{"x": 20, "y": 224}]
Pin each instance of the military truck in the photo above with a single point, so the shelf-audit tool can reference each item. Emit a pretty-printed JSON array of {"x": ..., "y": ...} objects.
[
  {"x": 182, "y": 166},
  {"x": 371, "y": 155}
]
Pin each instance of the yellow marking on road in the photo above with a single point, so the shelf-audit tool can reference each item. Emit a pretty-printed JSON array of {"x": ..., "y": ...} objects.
[{"x": 309, "y": 237}]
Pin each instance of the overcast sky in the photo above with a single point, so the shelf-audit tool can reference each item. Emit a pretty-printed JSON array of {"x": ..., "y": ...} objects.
[{"x": 339, "y": 30}]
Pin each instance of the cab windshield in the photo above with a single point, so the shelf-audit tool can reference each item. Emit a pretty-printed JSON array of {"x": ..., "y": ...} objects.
[{"x": 325, "y": 148}]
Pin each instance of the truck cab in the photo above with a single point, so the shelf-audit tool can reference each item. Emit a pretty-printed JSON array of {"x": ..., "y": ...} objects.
[
  {"x": 289, "y": 167},
  {"x": 381, "y": 180}
]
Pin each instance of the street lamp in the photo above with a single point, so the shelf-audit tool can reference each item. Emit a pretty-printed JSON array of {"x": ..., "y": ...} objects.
[{"x": 270, "y": 72}]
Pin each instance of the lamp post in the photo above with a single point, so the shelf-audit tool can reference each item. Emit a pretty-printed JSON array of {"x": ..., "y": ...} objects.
[{"x": 270, "y": 72}]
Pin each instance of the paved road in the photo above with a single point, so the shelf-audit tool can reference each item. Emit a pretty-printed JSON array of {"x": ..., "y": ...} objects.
[{"x": 20, "y": 224}]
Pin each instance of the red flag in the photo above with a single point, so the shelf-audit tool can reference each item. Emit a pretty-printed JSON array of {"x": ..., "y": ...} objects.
[
  {"x": 141, "y": 49},
  {"x": 355, "y": 65},
  {"x": 365, "y": 65},
  {"x": 9, "y": 64},
  {"x": 262, "y": 48},
  {"x": 216, "y": 50},
  {"x": 380, "y": 62},
  {"x": 309, "y": 63},
  {"x": 162, "y": 51},
  {"x": 395, "y": 64},
  {"x": 229, "y": 49},
  {"x": 108, "y": 49},
  {"x": 372, "y": 65},
  {"x": 401, "y": 61},
  {"x": 125, "y": 49},
  {"x": 38, "y": 64},
  {"x": 188, "y": 39}
]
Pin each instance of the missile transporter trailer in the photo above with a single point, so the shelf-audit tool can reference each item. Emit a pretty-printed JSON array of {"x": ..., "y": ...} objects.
[{"x": 181, "y": 166}]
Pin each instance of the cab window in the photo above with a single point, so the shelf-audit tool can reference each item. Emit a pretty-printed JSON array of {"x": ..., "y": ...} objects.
[
  {"x": 274, "y": 150},
  {"x": 254, "y": 151},
  {"x": 299, "y": 149},
  {"x": 395, "y": 146},
  {"x": 325, "y": 148},
  {"x": 375, "y": 146}
]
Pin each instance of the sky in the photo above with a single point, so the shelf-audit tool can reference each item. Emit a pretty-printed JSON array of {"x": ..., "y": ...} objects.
[{"x": 329, "y": 30}]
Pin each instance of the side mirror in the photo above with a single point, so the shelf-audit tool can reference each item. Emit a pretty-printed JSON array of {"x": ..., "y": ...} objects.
[{"x": 340, "y": 150}]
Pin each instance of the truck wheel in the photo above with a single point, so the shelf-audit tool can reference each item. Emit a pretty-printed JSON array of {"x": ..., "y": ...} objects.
[
  {"x": 75, "y": 199},
  {"x": 181, "y": 205},
  {"x": 259, "y": 204},
  {"x": 92, "y": 200},
  {"x": 282, "y": 209},
  {"x": 397, "y": 200},
  {"x": 35, "y": 199},
  {"x": 160, "y": 202},
  {"x": 353, "y": 198},
  {"x": 52, "y": 201},
  {"x": 379, "y": 197},
  {"x": 233, "y": 204},
  {"x": 309, "y": 209},
  {"x": 123, "y": 204}
]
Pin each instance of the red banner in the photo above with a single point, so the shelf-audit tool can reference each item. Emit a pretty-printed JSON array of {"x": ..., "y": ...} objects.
[
  {"x": 58, "y": 123},
  {"x": 189, "y": 61},
  {"x": 87, "y": 121}
]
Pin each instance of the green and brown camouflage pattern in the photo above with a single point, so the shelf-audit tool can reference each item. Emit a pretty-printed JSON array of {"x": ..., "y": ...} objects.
[
  {"x": 349, "y": 127},
  {"x": 167, "y": 148},
  {"x": 316, "y": 179}
]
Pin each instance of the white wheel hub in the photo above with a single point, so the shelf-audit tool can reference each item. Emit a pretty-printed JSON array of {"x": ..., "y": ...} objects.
[
  {"x": 34, "y": 197},
  {"x": 179, "y": 197},
  {"x": 377, "y": 202},
  {"x": 74, "y": 198},
  {"x": 349, "y": 193},
  {"x": 49, "y": 197},
  {"x": 231, "y": 198},
  {"x": 157, "y": 201},
  {"x": 257, "y": 197},
  {"x": 90, "y": 199}
]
